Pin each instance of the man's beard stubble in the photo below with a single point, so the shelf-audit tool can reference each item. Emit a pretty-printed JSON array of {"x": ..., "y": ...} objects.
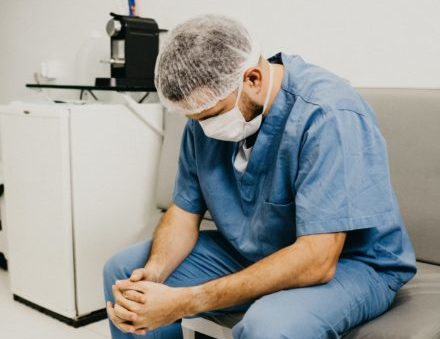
[{"x": 251, "y": 109}]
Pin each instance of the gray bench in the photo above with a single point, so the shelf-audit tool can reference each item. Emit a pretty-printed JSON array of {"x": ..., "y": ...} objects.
[{"x": 410, "y": 122}]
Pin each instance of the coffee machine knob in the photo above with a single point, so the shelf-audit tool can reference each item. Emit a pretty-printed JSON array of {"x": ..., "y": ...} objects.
[{"x": 113, "y": 27}]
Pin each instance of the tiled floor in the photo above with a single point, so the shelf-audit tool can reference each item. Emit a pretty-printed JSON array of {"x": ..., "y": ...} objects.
[{"x": 18, "y": 321}]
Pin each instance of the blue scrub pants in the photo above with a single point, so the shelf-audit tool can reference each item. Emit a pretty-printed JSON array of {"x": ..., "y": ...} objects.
[{"x": 355, "y": 295}]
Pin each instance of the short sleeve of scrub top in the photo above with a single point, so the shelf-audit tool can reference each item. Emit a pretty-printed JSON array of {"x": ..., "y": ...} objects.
[
  {"x": 187, "y": 193},
  {"x": 343, "y": 181}
]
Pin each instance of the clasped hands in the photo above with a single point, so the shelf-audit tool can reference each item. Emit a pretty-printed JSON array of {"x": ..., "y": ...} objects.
[{"x": 141, "y": 304}]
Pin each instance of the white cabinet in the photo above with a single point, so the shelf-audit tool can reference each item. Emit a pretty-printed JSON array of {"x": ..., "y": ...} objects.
[{"x": 79, "y": 186}]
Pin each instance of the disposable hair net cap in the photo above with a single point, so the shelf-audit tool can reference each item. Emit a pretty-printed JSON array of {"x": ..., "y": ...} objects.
[{"x": 203, "y": 61}]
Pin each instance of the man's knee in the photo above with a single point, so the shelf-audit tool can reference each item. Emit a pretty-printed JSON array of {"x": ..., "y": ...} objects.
[
  {"x": 120, "y": 266},
  {"x": 262, "y": 321},
  {"x": 113, "y": 268}
]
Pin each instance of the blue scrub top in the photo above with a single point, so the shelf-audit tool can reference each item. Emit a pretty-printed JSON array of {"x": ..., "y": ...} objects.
[{"x": 319, "y": 164}]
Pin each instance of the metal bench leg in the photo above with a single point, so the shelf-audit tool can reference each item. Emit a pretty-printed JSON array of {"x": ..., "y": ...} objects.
[
  {"x": 206, "y": 327},
  {"x": 188, "y": 333}
]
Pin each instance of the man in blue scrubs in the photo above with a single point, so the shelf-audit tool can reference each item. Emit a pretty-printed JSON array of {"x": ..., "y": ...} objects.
[{"x": 291, "y": 164}]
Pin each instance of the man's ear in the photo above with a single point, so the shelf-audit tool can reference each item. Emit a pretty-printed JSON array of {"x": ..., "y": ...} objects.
[{"x": 254, "y": 77}]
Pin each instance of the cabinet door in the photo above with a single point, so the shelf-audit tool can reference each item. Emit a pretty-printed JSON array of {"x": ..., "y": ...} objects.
[
  {"x": 114, "y": 167},
  {"x": 35, "y": 152}
]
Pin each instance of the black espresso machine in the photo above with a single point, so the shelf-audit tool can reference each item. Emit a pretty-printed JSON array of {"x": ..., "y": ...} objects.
[{"x": 134, "y": 45}]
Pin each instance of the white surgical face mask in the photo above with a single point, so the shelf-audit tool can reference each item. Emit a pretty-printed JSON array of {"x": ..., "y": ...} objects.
[{"x": 231, "y": 125}]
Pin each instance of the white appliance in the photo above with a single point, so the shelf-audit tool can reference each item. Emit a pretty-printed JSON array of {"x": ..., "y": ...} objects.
[{"x": 79, "y": 186}]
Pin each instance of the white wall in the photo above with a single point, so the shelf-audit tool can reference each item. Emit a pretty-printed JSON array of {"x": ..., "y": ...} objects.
[{"x": 392, "y": 43}]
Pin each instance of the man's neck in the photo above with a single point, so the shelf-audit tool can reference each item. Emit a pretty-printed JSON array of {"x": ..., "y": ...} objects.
[
  {"x": 278, "y": 74},
  {"x": 277, "y": 81}
]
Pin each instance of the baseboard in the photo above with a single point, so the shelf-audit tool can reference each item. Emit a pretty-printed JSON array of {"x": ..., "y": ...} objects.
[{"x": 78, "y": 322}]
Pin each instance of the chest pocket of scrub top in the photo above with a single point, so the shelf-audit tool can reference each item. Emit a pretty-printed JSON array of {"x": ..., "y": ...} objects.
[{"x": 278, "y": 226}]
